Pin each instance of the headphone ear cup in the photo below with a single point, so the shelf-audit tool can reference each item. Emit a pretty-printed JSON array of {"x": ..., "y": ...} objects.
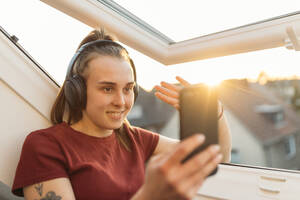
[
  {"x": 136, "y": 91},
  {"x": 75, "y": 92}
]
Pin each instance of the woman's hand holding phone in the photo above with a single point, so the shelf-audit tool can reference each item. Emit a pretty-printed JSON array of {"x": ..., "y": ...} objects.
[
  {"x": 168, "y": 178},
  {"x": 197, "y": 113}
]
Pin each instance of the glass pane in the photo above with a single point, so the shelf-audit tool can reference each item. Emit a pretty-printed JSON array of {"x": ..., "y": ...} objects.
[
  {"x": 276, "y": 63},
  {"x": 261, "y": 97},
  {"x": 180, "y": 20},
  {"x": 49, "y": 36}
]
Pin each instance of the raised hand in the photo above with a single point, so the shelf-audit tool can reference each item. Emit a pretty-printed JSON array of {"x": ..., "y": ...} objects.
[{"x": 169, "y": 93}]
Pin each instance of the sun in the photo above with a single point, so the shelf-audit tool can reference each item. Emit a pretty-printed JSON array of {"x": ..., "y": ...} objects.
[{"x": 212, "y": 82}]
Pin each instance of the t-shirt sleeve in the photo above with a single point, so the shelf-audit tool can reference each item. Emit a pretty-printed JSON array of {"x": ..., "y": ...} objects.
[
  {"x": 41, "y": 160},
  {"x": 149, "y": 140}
]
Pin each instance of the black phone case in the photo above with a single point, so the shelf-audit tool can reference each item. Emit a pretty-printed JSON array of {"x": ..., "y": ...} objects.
[{"x": 199, "y": 114}]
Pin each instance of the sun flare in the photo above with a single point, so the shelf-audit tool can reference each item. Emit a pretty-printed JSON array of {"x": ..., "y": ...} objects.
[{"x": 212, "y": 82}]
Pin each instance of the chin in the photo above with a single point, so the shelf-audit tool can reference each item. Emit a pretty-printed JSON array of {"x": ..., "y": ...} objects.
[{"x": 116, "y": 125}]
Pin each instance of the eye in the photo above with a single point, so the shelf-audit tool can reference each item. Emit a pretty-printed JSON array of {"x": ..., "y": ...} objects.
[
  {"x": 107, "y": 89},
  {"x": 129, "y": 88}
]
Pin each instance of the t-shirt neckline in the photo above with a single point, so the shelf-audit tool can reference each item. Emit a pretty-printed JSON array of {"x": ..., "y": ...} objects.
[{"x": 81, "y": 134}]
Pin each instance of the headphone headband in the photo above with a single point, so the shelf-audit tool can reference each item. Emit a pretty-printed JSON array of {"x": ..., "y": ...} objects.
[
  {"x": 94, "y": 43},
  {"x": 75, "y": 87}
]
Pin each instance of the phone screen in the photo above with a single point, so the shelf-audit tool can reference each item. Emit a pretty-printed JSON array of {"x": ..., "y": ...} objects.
[{"x": 199, "y": 114}]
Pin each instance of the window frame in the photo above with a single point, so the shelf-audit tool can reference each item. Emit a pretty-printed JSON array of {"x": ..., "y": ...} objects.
[{"x": 276, "y": 32}]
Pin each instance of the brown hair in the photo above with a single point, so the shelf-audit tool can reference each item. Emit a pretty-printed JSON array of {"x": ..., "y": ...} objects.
[{"x": 61, "y": 109}]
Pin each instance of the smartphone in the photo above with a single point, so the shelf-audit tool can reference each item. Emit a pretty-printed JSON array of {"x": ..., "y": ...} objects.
[{"x": 199, "y": 114}]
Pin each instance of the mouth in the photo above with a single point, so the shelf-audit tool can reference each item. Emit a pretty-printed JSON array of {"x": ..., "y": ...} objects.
[{"x": 115, "y": 115}]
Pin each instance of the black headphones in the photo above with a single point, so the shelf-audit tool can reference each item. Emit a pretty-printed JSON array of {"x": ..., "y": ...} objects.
[{"x": 75, "y": 87}]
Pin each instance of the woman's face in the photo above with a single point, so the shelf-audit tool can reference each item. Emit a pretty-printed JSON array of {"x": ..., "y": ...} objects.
[{"x": 110, "y": 95}]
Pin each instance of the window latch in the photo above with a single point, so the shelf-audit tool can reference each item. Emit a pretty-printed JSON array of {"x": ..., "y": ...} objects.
[{"x": 292, "y": 42}]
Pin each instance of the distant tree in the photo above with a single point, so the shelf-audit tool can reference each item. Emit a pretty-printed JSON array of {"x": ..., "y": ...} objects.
[{"x": 262, "y": 78}]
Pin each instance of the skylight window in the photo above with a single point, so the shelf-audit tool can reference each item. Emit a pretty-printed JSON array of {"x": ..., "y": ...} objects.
[{"x": 190, "y": 19}]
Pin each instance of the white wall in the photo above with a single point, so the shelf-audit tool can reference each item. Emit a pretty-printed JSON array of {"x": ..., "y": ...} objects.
[
  {"x": 250, "y": 150},
  {"x": 26, "y": 96}
]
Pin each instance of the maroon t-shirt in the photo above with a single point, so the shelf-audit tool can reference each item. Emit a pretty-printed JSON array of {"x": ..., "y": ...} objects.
[{"x": 98, "y": 168}]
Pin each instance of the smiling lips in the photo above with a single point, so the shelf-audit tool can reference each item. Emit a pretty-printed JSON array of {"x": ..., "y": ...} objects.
[{"x": 115, "y": 115}]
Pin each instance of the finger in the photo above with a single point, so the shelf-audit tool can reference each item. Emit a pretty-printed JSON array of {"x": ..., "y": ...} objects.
[
  {"x": 184, "y": 148},
  {"x": 195, "y": 182},
  {"x": 212, "y": 165},
  {"x": 199, "y": 178},
  {"x": 191, "y": 182},
  {"x": 177, "y": 106},
  {"x": 169, "y": 100},
  {"x": 170, "y": 86},
  {"x": 157, "y": 159},
  {"x": 196, "y": 163},
  {"x": 182, "y": 81},
  {"x": 166, "y": 91},
  {"x": 189, "y": 189}
]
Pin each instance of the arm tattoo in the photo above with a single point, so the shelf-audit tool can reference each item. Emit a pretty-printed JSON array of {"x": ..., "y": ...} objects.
[
  {"x": 51, "y": 196},
  {"x": 39, "y": 188}
]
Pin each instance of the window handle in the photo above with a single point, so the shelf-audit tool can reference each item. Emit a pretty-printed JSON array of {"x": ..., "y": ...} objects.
[
  {"x": 269, "y": 190},
  {"x": 275, "y": 179},
  {"x": 271, "y": 185}
]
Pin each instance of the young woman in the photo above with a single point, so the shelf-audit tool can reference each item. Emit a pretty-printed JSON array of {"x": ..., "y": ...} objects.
[{"x": 91, "y": 151}]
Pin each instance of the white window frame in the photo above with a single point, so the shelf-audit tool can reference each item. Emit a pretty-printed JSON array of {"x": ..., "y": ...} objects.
[{"x": 275, "y": 32}]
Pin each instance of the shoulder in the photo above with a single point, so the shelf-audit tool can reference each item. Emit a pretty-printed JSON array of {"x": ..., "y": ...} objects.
[
  {"x": 146, "y": 140},
  {"x": 143, "y": 134},
  {"x": 51, "y": 131},
  {"x": 143, "y": 131},
  {"x": 43, "y": 137},
  {"x": 41, "y": 159},
  {"x": 159, "y": 143}
]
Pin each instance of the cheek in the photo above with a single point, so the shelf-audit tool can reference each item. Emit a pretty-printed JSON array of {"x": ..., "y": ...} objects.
[
  {"x": 130, "y": 101},
  {"x": 95, "y": 99}
]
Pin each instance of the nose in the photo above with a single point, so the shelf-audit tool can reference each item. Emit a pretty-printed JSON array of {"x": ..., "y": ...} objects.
[{"x": 119, "y": 99}]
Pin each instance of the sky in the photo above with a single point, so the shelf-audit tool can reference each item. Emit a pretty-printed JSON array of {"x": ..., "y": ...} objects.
[{"x": 51, "y": 37}]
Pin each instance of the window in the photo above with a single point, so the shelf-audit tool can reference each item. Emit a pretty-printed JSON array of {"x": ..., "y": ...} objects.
[
  {"x": 255, "y": 110},
  {"x": 206, "y": 17},
  {"x": 290, "y": 147},
  {"x": 235, "y": 157}
]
